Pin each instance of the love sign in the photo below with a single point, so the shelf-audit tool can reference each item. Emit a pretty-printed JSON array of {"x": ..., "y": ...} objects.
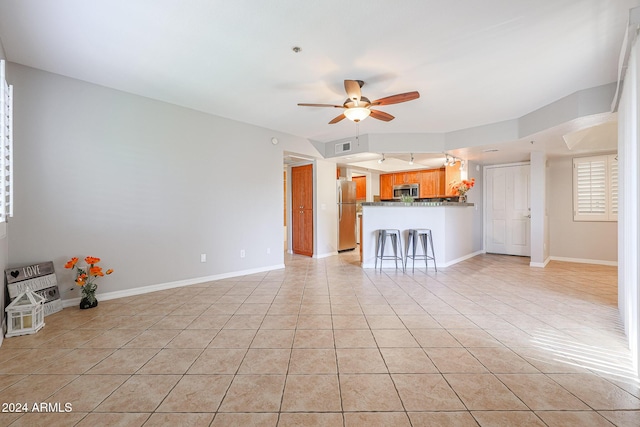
[{"x": 41, "y": 279}]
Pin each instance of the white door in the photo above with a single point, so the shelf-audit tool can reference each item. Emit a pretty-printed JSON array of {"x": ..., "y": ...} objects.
[{"x": 508, "y": 213}]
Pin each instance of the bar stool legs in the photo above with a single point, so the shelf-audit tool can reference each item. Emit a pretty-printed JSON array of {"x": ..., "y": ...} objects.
[
  {"x": 395, "y": 243},
  {"x": 426, "y": 241}
]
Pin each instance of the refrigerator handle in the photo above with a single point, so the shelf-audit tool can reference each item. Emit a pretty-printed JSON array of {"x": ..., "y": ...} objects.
[{"x": 339, "y": 202}]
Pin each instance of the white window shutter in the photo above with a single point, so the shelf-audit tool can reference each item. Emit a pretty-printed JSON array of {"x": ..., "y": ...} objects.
[
  {"x": 6, "y": 146},
  {"x": 613, "y": 186},
  {"x": 590, "y": 197},
  {"x": 595, "y": 188}
]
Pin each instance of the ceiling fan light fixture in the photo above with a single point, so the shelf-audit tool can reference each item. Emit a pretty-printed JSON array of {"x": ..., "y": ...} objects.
[{"x": 356, "y": 114}]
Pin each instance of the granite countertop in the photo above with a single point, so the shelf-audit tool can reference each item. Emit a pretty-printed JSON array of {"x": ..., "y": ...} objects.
[{"x": 417, "y": 204}]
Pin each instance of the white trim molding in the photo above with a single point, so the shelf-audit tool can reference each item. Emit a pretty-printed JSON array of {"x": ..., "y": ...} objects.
[
  {"x": 584, "y": 261},
  {"x": 540, "y": 264},
  {"x": 325, "y": 255},
  {"x": 443, "y": 265},
  {"x": 171, "y": 285}
]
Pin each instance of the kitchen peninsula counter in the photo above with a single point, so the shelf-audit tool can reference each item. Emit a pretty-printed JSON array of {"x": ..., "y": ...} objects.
[
  {"x": 417, "y": 204},
  {"x": 451, "y": 225}
]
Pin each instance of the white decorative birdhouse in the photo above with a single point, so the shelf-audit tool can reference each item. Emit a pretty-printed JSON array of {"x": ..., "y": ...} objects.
[{"x": 25, "y": 314}]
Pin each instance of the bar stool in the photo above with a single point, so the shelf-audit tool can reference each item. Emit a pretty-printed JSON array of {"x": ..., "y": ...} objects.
[
  {"x": 425, "y": 238},
  {"x": 394, "y": 234}
]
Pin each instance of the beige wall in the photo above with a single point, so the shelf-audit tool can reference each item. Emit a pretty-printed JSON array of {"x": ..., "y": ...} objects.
[
  {"x": 580, "y": 240},
  {"x": 145, "y": 185}
]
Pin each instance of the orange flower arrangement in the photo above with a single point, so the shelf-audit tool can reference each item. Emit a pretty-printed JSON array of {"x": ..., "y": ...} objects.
[
  {"x": 86, "y": 276},
  {"x": 463, "y": 186}
]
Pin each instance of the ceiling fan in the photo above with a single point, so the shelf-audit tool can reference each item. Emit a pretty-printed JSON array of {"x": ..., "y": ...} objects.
[{"x": 358, "y": 107}]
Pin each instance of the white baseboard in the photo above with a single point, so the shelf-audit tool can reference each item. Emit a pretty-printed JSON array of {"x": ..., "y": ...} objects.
[
  {"x": 463, "y": 258},
  {"x": 171, "y": 285},
  {"x": 440, "y": 265},
  {"x": 540, "y": 264},
  {"x": 585, "y": 261},
  {"x": 325, "y": 255}
]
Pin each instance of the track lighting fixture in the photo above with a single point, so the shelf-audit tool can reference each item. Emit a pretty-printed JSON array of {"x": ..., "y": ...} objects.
[
  {"x": 446, "y": 160},
  {"x": 382, "y": 159},
  {"x": 411, "y": 161}
]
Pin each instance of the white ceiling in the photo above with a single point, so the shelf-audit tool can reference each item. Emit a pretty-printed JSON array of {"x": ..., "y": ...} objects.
[{"x": 473, "y": 62}]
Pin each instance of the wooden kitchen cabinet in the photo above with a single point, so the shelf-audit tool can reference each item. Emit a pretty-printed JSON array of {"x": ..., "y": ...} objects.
[
  {"x": 386, "y": 186},
  {"x": 302, "y": 210},
  {"x": 452, "y": 177},
  {"x": 431, "y": 184},
  {"x": 361, "y": 187},
  {"x": 412, "y": 177}
]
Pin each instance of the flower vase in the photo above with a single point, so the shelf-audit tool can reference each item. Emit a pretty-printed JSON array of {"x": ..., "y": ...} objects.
[
  {"x": 85, "y": 303},
  {"x": 88, "y": 296},
  {"x": 462, "y": 198}
]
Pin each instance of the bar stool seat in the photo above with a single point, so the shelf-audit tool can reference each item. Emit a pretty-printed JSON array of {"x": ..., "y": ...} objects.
[
  {"x": 426, "y": 241},
  {"x": 394, "y": 235}
]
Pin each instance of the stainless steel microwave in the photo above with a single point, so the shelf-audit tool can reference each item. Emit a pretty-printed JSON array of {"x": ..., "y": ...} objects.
[{"x": 412, "y": 190}]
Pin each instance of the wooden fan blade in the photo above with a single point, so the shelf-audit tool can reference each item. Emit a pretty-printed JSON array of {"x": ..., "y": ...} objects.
[
  {"x": 321, "y": 105},
  {"x": 381, "y": 115},
  {"x": 353, "y": 90},
  {"x": 396, "y": 99},
  {"x": 337, "y": 119}
]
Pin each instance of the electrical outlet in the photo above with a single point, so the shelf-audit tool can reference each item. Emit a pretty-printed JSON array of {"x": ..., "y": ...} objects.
[
  {"x": 268, "y": 251},
  {"x": 242, "y": 253},
  {"x": 203, "y": 257}
]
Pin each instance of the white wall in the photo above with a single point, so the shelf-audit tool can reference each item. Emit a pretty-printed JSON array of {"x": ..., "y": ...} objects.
[
  {"x": 326, "y": 209},
  {"x": 4, "y": 247},
  {"x": 475, "y": 196},
  {"x": 575, "y": 240},
  {"x": 375, "y": 186},
  {"x": 145, "y": 185},
  {"x": 629, "y": 202},
  {"x": 538, "y": 209}
]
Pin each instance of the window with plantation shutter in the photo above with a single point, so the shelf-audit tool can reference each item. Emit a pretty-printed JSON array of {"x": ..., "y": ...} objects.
[
  {"x": 595, "y": 188},
  {"x": 613, "y": 187},
  {"x": 6, "y": 146}
]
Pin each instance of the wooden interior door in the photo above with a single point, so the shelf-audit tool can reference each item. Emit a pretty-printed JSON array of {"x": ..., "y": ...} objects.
[
  {"x": 508, "y": 215},
  {"x": 302, "y": 210}
]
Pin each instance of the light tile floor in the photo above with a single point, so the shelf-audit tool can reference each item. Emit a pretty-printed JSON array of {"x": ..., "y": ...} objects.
[{"x": 489, "y": 341}]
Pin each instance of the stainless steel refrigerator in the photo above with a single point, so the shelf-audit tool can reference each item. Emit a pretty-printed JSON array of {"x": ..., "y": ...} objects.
[{"x": 346, "y": 215}]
